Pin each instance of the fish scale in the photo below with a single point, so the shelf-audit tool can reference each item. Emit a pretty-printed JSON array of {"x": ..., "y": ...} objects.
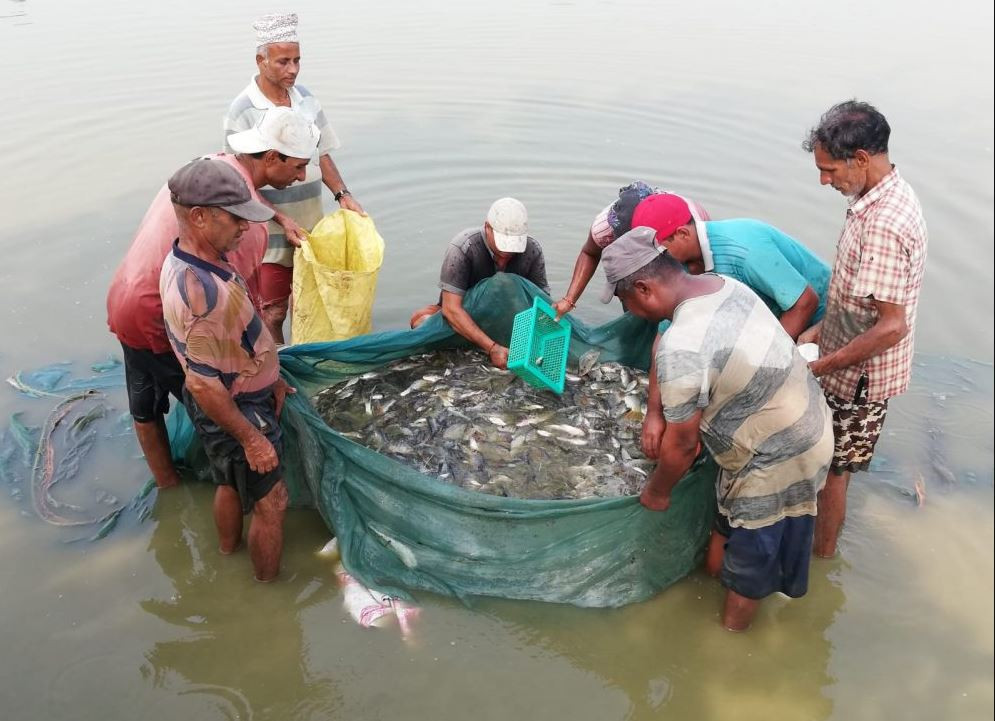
[{"x": 469, "y": 424}]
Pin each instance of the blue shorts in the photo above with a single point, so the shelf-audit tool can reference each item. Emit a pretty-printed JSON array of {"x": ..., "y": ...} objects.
[{"x": 762, "y": 561}]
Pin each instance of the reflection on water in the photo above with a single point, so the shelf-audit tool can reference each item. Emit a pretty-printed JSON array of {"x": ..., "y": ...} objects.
[
  {"x": 242, "y": 644},
  {"x": 443, "y": 107}
]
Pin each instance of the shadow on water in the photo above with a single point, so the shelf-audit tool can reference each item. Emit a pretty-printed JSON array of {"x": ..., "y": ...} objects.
[
  {"x": 672, "y": 659},
  {"x": 241, "y": 644}
]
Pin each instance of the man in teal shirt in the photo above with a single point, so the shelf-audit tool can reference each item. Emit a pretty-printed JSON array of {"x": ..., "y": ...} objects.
[{"x": 787, "y": 276}]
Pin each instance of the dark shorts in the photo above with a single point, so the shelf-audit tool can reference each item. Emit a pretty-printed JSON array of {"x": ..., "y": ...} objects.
[
  {"x": 150, "y": 378},
  {"x": 762, "y": 561},
  {"x": 275, "y": 283},
  {"x": 227, "y": 459},
  {"x": 856, "y": 428}
]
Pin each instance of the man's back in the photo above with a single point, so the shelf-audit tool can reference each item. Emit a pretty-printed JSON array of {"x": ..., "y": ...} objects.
[
  {"x": 771, "y": 263},
  {"x": 764, "y": 417}
]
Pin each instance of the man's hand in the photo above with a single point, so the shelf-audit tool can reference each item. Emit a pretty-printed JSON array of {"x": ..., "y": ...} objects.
[
  {"x": 281, "y": 389},
  {"x": 562, "y": 307},
  {"x": 653, "y": 427},
  {"x": 654, "y": 501},
  {"x": 820, "y": 366},
  {"x": 347, "y": 202},
  {"x": 498, "y": 355},
  {"x": 260, "y": 454},
  {"x": 419, "y": 316},
  {"x": 811, "y": 335},
  {"x": 295, "y": 233}
]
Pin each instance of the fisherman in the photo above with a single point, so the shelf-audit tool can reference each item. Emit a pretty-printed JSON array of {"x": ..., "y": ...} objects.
[
  {"x": 274, "y": 154},
  {"x": 866, "y": 338},
  {"x": 609, "y": 224},
  {"x": 299, "y": 208},
  {"x": 501, "y": 245},
  {"x": 787, "y": 276},
  {"x": 232, "y": 390},
  {"x": 790, "y": 279},
  {"x": 730, "y": 376},
  {"x": 612, "y": 222}
]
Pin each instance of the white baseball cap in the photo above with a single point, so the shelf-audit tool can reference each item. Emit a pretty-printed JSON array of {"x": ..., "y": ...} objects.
[
  {"x": 281, "y": 129},
  {"x": 510, "y": 223}
]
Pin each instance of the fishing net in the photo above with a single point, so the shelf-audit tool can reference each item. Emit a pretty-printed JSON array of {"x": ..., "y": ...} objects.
[{"x": 399, "y": 529}]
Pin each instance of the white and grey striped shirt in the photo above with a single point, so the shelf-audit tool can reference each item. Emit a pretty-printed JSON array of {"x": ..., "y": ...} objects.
[
  {"x": 301, "y": 201},
  {"x": 764, "y": 417}
]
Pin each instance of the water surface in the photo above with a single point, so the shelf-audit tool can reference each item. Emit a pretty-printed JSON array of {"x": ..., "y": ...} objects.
[{"x": 444, "y": 106}]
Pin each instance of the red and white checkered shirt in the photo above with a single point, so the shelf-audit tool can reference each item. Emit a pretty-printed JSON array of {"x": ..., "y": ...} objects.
[{"x": 880, "y": 256}]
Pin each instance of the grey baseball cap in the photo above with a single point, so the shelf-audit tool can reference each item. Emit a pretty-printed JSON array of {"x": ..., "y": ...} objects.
[
  {"x": 211, "y": 183},
  {"x": 625, "y": 256}
]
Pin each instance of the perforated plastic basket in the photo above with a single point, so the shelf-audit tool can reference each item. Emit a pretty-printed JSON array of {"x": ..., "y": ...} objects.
[{"x": 539, "y": 345}]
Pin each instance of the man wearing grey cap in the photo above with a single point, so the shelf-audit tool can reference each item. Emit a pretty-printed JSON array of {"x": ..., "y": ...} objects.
[
  {"x": 731, "y": 377},
  {"x": 274, "y": 153},
  {"x": 232, "y": 390},
  {"x": 299, "y": 208},
  {"x": 501, "y": 245}
]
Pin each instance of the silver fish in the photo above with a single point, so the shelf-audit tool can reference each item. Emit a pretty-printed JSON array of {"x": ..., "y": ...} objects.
[
  {"x": 453, "y": 416},
  {"x": 587, "y": 362}
]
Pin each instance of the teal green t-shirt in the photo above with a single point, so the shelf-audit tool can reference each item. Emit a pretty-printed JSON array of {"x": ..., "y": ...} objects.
[{"x": 774, "y": 265}]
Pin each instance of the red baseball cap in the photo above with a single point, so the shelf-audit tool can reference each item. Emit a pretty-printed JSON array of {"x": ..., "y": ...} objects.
[{"x": 663, "y": 212}]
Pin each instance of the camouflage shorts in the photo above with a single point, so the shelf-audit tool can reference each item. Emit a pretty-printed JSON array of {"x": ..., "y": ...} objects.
[{"x": 856, "y": 428}]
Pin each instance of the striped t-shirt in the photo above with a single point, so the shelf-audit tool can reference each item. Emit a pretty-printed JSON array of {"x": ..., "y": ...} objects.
[
  {"x": 764, "y": 418},
  {"x": 301, "y": 201},
  {"x": 212, "y": 325}
]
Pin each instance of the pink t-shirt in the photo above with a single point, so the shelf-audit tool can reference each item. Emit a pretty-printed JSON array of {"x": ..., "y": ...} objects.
[{"x": 134, "y": 308}]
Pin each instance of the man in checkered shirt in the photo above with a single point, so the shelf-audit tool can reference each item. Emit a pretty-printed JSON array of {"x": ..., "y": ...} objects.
[{"x": 866, "y": 337}]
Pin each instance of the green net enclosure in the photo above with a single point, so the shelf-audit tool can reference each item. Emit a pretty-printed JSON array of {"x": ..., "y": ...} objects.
[{"x": 400, "y": 530}]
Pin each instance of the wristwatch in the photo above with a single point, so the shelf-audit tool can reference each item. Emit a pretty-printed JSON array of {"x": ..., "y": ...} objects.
[{"x": 338, "y": 195}]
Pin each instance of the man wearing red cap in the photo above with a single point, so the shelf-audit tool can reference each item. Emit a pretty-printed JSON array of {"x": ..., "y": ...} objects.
[
  {"x": 790, "y": 279},
  {"x": 609, "y": 224}
]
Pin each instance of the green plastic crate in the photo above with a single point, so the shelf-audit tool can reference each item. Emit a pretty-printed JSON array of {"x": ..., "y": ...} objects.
[{"x": 539, "y": 346}]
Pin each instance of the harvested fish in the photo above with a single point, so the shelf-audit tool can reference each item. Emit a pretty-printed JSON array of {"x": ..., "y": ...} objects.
[
  {"x": 587, "y": 362},
  {"x": 453, "y": 416}
]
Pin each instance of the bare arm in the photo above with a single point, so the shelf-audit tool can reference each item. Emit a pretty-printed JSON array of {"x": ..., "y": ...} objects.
[
  {"x": 461, "y": 322},
  {"x": 587, "y": 263},
  {"x": 654, "y": 424},
  {"x": 214, "y": 399},
  {"x": 799, "y": 316},
  {"x": 889, "y": 329},
  {"x": 678, "y": 449},
  {"x": 332, "y": 179}
]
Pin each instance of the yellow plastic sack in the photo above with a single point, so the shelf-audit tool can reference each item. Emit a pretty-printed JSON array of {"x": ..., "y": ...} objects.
[{"x": 335, "y": 279}]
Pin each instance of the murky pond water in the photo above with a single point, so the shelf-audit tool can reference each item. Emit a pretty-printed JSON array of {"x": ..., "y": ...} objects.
[{"x": 442, "y": 107}]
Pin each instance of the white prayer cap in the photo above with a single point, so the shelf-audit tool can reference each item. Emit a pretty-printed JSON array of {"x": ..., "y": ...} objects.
[{"x": 276, "y": 29}]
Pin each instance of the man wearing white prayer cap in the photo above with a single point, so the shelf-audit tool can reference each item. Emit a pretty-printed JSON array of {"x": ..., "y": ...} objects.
[{"x": 278, "y": 59}]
